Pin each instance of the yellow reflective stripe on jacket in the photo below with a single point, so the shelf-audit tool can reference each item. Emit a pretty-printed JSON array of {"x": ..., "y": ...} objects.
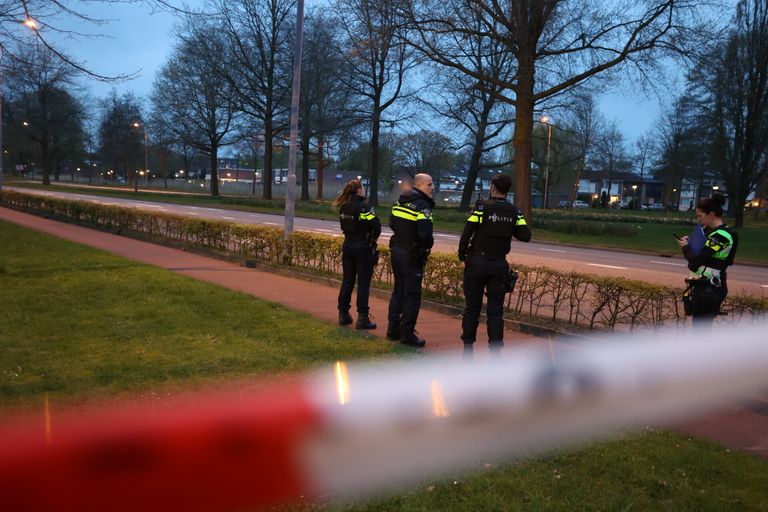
[
  {"x": 422, "y": 216},
  {"x": 521, "y": 221},
  {"x": 477, "y": 216},
  {"x": 405, "y": 213},
  {"x": 367, "y": 216}
]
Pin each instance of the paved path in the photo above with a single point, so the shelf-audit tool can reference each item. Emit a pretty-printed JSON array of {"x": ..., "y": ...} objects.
[{"x": 743, "y": 425}]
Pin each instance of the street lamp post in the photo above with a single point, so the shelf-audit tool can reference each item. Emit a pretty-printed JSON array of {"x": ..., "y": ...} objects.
[
  {"x": 546, "y": 120},
  {"x": 634, "y": 197}
]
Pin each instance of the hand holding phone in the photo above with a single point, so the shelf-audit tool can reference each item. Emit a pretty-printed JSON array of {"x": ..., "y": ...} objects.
[{"x": 677, "y": 236}]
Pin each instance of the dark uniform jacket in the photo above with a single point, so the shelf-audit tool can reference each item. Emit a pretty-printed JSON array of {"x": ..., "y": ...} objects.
[
  {"x": 359, "y": 222},
  {"x": 716, "y": 256},
  {"x": 490, "y": 228},
  {"x": 411, "y": 222}
]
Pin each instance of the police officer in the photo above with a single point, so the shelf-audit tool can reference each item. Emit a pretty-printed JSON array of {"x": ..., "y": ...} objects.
[
  {"x": 361, "y": 231},
  {"x": 411, "y": 242},
  {"x": 483, "y": 247},
  {"x": 707, "y": 281}
]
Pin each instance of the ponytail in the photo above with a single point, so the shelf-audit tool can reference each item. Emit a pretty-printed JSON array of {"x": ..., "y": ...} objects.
[{"x": 350, "y": 191}]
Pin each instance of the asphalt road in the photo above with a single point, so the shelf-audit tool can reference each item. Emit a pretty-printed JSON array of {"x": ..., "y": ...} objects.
[{"x": 650, "y": 268}]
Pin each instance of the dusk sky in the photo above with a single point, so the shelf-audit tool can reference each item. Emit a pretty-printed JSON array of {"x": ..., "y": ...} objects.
[{"x": 135, "y": 39}]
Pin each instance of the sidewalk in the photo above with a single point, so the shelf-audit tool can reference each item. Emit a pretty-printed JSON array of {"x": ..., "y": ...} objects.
[{"x": 742, "y": 426}]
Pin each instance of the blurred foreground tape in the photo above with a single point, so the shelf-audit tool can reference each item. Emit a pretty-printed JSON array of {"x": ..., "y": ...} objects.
[{"x": 356, "y": 429}]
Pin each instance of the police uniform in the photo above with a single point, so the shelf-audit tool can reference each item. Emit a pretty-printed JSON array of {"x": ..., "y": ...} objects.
[
  {"x": 361, "y": 230},
  {"x": 411, "y": 242},
  {"x": 484, "y": 245},
  {"x": 707, "y": 280}
]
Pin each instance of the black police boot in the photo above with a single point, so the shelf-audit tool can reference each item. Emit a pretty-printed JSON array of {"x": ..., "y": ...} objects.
[
  {"x": 393, "y": 331},
  {"x": 412, "y": 340},
  {"x": 344, "y": 318},
  {"x": 468, "y": 353},
  {"x": 364, "y": 322}
]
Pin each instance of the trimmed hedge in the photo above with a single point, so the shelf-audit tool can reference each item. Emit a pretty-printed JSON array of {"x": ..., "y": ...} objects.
[{"x": 542, "y": 294}]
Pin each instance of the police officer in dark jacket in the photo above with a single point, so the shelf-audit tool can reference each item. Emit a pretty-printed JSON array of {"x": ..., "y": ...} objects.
[
  {"x": 483, "y": 247},
  {"x": 361, "y": 231},
  {"x": 411, "y": 242},
  {"x": 707, "y": 279}
]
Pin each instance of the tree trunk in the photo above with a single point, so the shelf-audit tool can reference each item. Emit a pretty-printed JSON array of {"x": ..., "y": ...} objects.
[
  {"x": 46, "y": 157},
  {"x": 522, "y": 144},
  {"x": 373, "y": 165},
  {"x": 305, "y": 169},
  {"x": 320, "y": 162},
  {"x": 214, "y": 171},
  {"x": 268, "y": 149}
]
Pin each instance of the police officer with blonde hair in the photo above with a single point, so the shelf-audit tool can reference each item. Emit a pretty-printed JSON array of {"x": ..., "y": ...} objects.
[
  {"x": 361, "y": 230},
  {"x": 411, "y": 243},
  {"x": 483, "y": 248}
]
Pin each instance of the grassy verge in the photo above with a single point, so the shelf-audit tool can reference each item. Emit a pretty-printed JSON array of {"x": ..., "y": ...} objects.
[
  {"x": 79, "y": 323},
  {"x": 655, "y": 238},
  {"x": 655, "y": 470}
]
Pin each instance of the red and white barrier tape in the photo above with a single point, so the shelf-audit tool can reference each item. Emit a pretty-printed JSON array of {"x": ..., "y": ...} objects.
[{"x": 364, "y": 427}]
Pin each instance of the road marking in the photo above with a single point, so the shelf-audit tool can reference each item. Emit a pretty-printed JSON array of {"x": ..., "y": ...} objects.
[
  {"x": 606, "y": 266},
  {"x": 229, "y": 218},
  {"x": 764, "y": 285},
  {"x": 668, "y": 263},
  {"x": 452, "y": 237},
  {"x": 553, "y": 250},
  {"x": 271, "y": 223},
  {"x": 192, "y": 213}
]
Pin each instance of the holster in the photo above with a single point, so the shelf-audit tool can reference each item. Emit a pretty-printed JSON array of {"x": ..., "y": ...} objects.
[{"x": 510, "y": 280}]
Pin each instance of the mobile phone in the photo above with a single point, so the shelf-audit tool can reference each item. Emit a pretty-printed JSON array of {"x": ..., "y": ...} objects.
[{"x": 677, "y": 236}]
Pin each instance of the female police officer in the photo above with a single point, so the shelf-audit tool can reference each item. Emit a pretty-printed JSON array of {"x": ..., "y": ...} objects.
[
  {"x": 361, "y": 231},
  {"x": 707, "y": 286}
]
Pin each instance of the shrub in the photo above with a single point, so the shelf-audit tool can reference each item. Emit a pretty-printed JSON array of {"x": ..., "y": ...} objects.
[{"x": 563, "y": 298}]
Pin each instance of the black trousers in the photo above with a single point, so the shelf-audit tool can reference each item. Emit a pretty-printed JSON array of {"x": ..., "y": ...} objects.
[
  {"x": 405, "y": 302},
  {"x": 707, "y": 300},
  {"x": 357, "y": 265},
  {"x": 484, "y": 274}
]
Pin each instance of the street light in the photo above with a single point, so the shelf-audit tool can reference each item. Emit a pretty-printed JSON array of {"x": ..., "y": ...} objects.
[
  {"x": 546, "y": 120},
  {"x": 634, "y": 198}
]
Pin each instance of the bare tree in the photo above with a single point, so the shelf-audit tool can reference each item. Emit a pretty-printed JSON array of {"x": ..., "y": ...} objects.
[
  {"x": 731, "y": 88},
  {"x": 39, "y": 19},
  {"x": 556, "y": 45},
  {"x": 325, "y": 101},
  {"x": 611, "y": 158},
  {"x": 472, "y": 103},
  {"x": 377, "y": 59},
  {"x": 43, "y": 108},
  {"x": 195, "y": 101},
  {"x": 120, "y": 144},
  {"x": 258, "y": 65},
  {"x": 424, "y": 151},
  {"x": 583, "y": 128}
]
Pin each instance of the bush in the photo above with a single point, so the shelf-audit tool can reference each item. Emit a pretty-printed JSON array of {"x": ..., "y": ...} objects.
[{"x": 544, "y": 294}]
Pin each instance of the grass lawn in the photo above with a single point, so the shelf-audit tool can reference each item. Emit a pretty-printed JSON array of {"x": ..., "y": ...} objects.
[{"x": 78, "y": 323}]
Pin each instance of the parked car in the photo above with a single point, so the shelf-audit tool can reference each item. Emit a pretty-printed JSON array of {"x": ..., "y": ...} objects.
[
  {"x": 580, "y": 204},
  {"x": 452, "y": 199},
  {"x": 652, "y": 207},
  {"x": 564, "y": 204}
]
